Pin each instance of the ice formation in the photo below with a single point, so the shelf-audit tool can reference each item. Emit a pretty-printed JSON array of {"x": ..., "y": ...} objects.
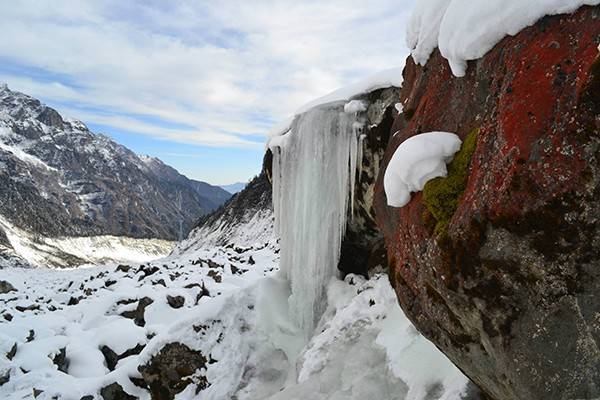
[
  {"x": 314, "y": 166},
  {"x": 466, "y": 30},
  {"x": 417, "y": 160}
]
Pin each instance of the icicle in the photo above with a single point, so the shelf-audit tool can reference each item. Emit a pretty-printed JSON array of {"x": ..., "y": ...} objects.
[{"x": 314, "y": 169}]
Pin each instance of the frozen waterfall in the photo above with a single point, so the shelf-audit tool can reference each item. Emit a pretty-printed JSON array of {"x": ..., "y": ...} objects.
[{"x": 314, "y": 169}]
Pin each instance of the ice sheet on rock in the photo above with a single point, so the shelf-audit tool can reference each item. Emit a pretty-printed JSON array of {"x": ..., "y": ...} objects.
[
  {"x": 466, "y": 30},
  {"x": 417, "y": 160}
]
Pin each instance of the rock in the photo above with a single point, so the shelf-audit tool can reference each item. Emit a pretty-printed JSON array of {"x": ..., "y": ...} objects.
[
  {"x": 176, "y": 301},
  {"x": 12, "y": 352},
  {"x": 31, "y": 307},
  {"x": 73, "y": 301},
  {"x": 37, "y": 392},
  {"x": 5, "y": 378},
  {"x": 61, "y": 360},
  {"x": 172, "y": 370},
  {"x": 88, "y": 397},
  {"x": 498, "y": 264},
  {"x": 215, "y": 275},
  {"x": 6, "y": 287},
  {"x": 30, "y": 336},
  {"x": 110, "y": 357},
  {"x": 138, "y": 314},
  {"x": 7, "y": 316},
  {"x": 123, "y": 268},
  {"x": 114, "y": 391}
]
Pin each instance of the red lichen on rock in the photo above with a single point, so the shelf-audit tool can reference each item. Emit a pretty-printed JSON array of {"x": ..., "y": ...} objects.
[{"x": 521, "y": 238}]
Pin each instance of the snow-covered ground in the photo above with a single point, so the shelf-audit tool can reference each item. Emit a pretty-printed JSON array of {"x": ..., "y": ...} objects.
[
  {"x": 71, "y": 333},
  {"x": 43, "y": 251}
]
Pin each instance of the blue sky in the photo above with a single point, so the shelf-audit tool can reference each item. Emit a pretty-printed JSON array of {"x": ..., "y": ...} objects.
[{"x": 197, "y": 84}]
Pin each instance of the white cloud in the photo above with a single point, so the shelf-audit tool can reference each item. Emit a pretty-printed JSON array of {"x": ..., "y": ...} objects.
[{"x": 225, "y": 68}]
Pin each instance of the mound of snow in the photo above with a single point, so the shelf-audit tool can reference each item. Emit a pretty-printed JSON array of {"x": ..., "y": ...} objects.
[
  {"x": 417, "y": 160},
  {"x": 466, "y": 30},
  {"x": 384, "y": 79}
]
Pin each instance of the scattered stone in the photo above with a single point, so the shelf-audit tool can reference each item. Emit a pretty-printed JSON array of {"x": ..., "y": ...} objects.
[
  {"x": 109, "y": 283},
  {"x": 61, "y": 360},
  {"x": 37, "y": 392},
  {"x": 88, "y": 397},
  {"x": 147, "y": 271},
  {"x": 251, "y": 261},
  {"x": 114, "y": 391},
  {"x": 6, "y": 287},
  {"x": 73, "y": 301},
  {"x": 8, "y": 317},
  {"x": 215, "y": 275},
  {"x": 110, "y": 357},
  {"x": 160, "y": 282},
  {"x": 123, "y": 268},
  {"x": 12, "y": 352},
  {"x": 4, "y": 378},
  {"x": 138, "y": 314},
  {"x": 172, "y": 370},
  {"x": 32, "y": 307},
  {"x": 176, "y": 301},
  {"x": 31, "y": 336}
]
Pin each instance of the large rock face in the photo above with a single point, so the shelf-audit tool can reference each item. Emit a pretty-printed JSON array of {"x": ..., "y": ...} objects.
[
  {"x": 59, "y": 179},
  {"x": 507, "y": 284}
]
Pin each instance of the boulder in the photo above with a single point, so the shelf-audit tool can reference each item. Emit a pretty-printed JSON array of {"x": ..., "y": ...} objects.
[
  {"x": 172, "y": 370},
  {"x": 498, "y": 264}
]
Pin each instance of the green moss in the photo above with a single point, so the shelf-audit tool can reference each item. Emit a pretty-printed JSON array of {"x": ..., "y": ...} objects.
[{"x": 441, "y": 195}]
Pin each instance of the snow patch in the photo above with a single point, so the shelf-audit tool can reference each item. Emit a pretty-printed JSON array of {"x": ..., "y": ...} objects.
[
  {"x": 417, "y": 160},
  {"x": 465, "y": 30}
]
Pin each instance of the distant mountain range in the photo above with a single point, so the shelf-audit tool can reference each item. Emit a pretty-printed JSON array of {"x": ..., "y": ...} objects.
[
  {"x": 234, "y": 187},
  {"x": 59, "y": 179}
]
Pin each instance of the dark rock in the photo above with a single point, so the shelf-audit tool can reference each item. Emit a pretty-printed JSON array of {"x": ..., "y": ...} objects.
[
  {"x": 30, "y": 336},
  {"x": 146, "y": 271},
  {"x": 7, "y": 316},
  {"x": 12, "y": 352},
  {"x": 61, "y": 360},
  {"x": 4, "y": 378},
  {"x": 123, "y": 268},
  {"x": 160, "y": 282},
  {"x": 109, "y": 282},
  {"x": 215, "y": 275},
  {"x": 501, "y": 270},
  {"x": 138, "y": 314},
  {"x": 110, "y": 357},
  {"x": 88, "y": 397},
  {"x": 6, "y": 287},
  {"x": 251, "y": 261},
  {"x": 114, "y": 391},
  {"x": 176, "y": 301},
  {"x": 37, "y": 392},
  {"x": 172, "y": 369},
  {"x": 73, "y": 301},
  {"x": 31, "y": 307}
]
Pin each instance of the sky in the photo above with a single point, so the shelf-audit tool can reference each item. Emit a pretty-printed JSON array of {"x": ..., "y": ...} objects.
[{"x": 197, "y": 84}]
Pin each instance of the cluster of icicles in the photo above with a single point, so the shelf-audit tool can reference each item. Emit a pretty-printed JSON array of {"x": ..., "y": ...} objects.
[{"x": 314, "y": 174}]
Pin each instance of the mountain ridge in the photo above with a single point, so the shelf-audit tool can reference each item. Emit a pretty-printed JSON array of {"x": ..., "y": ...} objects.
[{"x": 61, "y": 179}]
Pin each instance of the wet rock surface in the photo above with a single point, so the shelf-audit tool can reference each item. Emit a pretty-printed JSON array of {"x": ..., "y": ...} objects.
[{"x": 507, "y": 288}]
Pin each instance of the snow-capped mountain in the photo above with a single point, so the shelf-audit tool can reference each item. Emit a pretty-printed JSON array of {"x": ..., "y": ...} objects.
[{"x": 60, "y": 179}]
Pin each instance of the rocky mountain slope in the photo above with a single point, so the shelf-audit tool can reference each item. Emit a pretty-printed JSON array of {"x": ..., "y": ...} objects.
[
  {"x": 498, "y": 263},
  {"x": 60, "y": 179}
]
